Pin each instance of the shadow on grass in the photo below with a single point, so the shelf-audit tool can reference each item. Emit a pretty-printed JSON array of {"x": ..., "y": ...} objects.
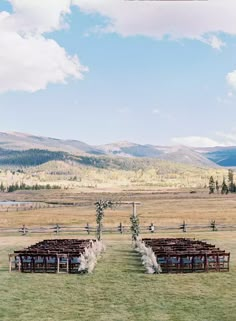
[
  {"x": 134, "y": 271},
  {"x": 128, "y": 259},
  {"x": 4, "y": 269}
]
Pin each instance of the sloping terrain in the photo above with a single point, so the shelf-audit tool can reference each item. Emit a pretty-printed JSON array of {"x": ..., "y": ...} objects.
[
  {"x": 177, "y": 154},
  {"x": 128, "y": 149},
  {"x": 35, "y": 157},
  {"x": 114, "y": 153},
  {"x": 223, "y": 156},
  {"x": 185, "y": 155},
  {"x": 20, "y": 141}
]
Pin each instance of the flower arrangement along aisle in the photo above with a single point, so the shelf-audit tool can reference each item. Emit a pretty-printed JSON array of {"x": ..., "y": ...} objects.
[
  {"x": 148, "y": 258},
  {"x": 89, "y": 258}
]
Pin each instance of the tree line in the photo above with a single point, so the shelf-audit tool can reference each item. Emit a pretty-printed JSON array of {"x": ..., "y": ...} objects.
[
  {"x": 31, "y": 157},
  {"x": 224, "y": 187},
  {"x": 15, "y": 187}
]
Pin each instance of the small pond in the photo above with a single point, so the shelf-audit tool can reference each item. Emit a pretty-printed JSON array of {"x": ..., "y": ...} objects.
[{"x": 14, "y": 203}]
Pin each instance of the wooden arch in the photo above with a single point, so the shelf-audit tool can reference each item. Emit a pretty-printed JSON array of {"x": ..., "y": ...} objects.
[{"x": 102, "y": 205}]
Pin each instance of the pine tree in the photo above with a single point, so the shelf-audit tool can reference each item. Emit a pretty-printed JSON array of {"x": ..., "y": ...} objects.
[
  {"x": 2, "y": 187},
  {"x": 231, "y": 181},
  {"x": 211, "y": 185},
  {"x": 224, "y": 188},
  {"x": 217, "y": 187}
]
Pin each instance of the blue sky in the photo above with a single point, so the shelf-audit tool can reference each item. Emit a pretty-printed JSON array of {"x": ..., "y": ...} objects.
[{"x": 141, "y": 85}]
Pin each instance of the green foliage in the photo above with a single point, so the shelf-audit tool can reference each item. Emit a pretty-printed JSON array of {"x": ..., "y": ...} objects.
[
  {"x": 211, "y": 185},
  {"x": 100, "y": 208},
  {"x": 15, "y": 187},
  {"x": 224, "y": 188},
  {"x": 104, "y": 162},
  {"x": 31, "y": 157},
  {"x": 35, "y": 157},
  {"x": 2, "y": 187},
  {"x": 232, "y": 187},
  {"x": 134, "y": 219}
]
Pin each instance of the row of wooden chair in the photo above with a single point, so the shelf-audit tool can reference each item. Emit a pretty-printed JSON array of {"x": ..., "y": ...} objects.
[
  {"x": 178, "y": 255},
  {"x": 50, "y": 256},
  {"x": 49, "y": 263}
]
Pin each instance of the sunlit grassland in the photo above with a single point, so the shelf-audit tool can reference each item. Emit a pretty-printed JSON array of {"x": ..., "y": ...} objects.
[
  {"x": 118, "y": 289},
  {"x": 128, "y": 172},
  {"x": 161, "y": 209}
]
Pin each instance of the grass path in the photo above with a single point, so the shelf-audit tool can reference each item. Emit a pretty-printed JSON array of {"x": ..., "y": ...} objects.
[{"x": 118, "y": 290}]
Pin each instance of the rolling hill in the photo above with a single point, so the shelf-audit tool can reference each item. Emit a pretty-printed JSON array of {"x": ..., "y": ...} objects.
[
  {"x": 21, "y": 141},
  {"x": 19, "y": 148},
  {"x": 67, "y": 163},
  {"x": 223, "y": 156}
]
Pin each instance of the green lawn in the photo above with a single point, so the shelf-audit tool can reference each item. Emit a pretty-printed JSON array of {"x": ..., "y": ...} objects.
[{"x": 118, "y": 290}]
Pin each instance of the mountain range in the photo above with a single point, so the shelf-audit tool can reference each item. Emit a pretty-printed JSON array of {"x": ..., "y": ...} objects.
[{"x": 15, "y": 145}]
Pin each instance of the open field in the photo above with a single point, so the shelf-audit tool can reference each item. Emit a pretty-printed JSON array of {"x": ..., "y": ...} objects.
[
  {"x": 118, "y": 289},
  {"x": 160, "y": 208}
]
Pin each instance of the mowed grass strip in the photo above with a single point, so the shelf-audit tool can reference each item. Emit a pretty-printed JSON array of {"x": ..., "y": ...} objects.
[{"x": 118, "y": 289}]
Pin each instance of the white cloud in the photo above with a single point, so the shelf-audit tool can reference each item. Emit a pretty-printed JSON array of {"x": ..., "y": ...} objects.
[
  {"x": 36, "y": 62},
  {"x": 30, "y": 61},
  {"x": 205, "y": 21},
  {"x": 196, "y": 141},
  {"x": 202, "y": 20},
  {"x": 231, "y": 79},
  {"x": 228, "y": 139},
  {"x": 27, "y": 26},
  {"x": 215, "y": 42},
  {"x": 221, "y": 139},
  {"x": 38, "y": 15}
]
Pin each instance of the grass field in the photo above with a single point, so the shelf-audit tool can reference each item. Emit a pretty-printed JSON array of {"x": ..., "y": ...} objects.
[
  {"x": 119, "y": 290},
  {"x": 160, "y": 208}
]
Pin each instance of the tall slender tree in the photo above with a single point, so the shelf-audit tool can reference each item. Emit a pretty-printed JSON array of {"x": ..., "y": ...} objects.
[
  {"x": 231, "y": 181},
  {"x": 217, "y": 187},
  {"x": 211, "y": 185},
  {"x": 224, "y": 188}
]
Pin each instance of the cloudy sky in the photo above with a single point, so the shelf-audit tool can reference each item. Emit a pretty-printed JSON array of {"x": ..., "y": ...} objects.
[{"x": 109, "y": 70}]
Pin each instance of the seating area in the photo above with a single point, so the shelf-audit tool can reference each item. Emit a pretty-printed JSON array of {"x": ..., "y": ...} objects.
[
  {"x": 50, "y": 256},
  {"x": 183, "y": 255}
]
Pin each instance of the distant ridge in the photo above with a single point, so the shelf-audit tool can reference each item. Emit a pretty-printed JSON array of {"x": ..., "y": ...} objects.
[
  {"x": 203, "y": 157},
  {"x": 22, "y": 141},
  {"x": 178, "y": 154}
]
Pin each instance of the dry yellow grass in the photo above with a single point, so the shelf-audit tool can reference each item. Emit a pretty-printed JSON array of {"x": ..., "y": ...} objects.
[{"x": 169, "y": 208}]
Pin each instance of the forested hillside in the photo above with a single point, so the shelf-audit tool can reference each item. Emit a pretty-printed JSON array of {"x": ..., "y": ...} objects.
[
  {"x": 35, "y": 157},
  {"x": 44, "y": 167},
  {"x": 31, "y": 157}
]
